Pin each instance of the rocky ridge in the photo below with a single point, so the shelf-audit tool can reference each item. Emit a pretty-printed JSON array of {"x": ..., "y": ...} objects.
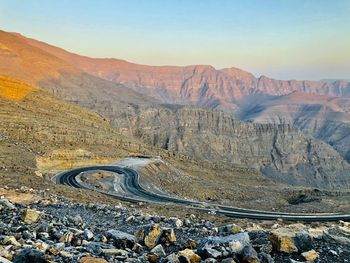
[
  {"x": 202, "y": 85},
  {"x": 282, "y": 152}
]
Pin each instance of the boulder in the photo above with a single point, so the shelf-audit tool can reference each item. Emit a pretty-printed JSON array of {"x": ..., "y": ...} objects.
[
  {"x": 249, "y": 255},
  {"x": 137, "y": 248},
  {"x": 30, "y": 256},
  {"x": 159, "y": 251},
  {"x": 149, "y": 235},
  {"x": 337, "y": 235},
  {"x": 11, "y": 240},
  {"x": 283, "y": 240},
  {"x": 66, "y": 255},
  {"x": 172, "y": 258},
  {"x": 31, "y": 216},
  {"x": 191, "y": 244},
  {"x": 121, "y": 239},
  {"x": 168, "y": 236},
  {"x": 188, "y": 255},
  {"x": 88, "y": 235},
  {"x": 235, "y": 242},
  {"x": 212, "y": 253},
  {"x": 67, "y": 237},
  {"x": 303, "y": 241},
  {"x": 115, "y": 252},
  {"x": 311, "y": 255}
]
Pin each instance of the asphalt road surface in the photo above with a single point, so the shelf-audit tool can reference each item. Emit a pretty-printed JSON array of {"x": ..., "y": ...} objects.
[{"x": 137, "y": 194}]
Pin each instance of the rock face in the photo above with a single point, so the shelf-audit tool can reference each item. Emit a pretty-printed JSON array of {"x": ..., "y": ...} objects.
[
  {"x": 324, "y": 117},
  {"x": 282, "y": 152}
]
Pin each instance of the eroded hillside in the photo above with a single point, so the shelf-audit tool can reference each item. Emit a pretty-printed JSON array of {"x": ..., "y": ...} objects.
[
  {"x": 324, "y": 117},
  {"x": 282, "y": 152}
]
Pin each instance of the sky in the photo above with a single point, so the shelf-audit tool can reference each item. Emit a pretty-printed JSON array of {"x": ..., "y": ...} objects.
[{"x": 283, "y": 39}]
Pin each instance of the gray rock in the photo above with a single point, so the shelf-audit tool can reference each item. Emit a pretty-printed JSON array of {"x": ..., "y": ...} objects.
[
  {"x": 88, "y": 235},
  {"x": 303, "y": 241},
  {"x": 7, "y": 203},
  {"x": 212, "y": 253},
  {"x": 156, "y": 219},
  {"x": 78, "y": 221},
  {"x": 121, "y": 239},
  {"x": 159, "y": 251},
  {"x": 235, "y": 242},
  {"x": 4, "y": 260},
  {"x": 265, "y": 258},
  {"x": 172, "y": 258},
  {"x": 336, "y": 236},
  {"x": 333, "y": 253},
  {"x": 30, "y": 256},
  {"x": 97, "y": 247},
  {"x": 249, "y": 254}
]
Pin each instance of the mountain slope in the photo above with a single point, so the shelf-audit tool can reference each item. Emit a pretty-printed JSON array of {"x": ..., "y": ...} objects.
[
  {"x": 283, "y": 153},
  {"x": 31, "y": 64},
  {"x": 324, "y": 117},
  {"x": 199, "y": 84},
  {"x": 38, "y": 130}
]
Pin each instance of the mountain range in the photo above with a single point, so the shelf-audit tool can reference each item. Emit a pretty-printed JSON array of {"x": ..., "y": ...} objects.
[{"x": 301, "y": 130}]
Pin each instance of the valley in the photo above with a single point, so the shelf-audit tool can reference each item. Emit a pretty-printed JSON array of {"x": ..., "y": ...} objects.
[{"x": 127, "y": 143}]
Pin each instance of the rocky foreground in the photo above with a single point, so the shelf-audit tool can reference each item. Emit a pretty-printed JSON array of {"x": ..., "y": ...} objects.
[{"x": 56, "y": 230}]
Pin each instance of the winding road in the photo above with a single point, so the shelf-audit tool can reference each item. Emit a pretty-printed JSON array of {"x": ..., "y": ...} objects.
[{"x": 139, "y": 194}]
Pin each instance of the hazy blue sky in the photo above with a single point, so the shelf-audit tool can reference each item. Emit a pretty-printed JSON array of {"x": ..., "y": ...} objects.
[{"x": 287, "y": 39}]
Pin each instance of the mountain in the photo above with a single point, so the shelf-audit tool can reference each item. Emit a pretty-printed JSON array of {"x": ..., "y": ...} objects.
[
  {"x": 281, "y": 152},
  {"x": 28, "y": 63},
  {"x": 199, "y": 85},
  {"x": 228, "y": 89},
  {"x": 324, "y": 117}
]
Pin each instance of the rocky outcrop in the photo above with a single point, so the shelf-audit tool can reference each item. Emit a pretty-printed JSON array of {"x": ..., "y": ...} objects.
[{"x": 282, "y": 152}]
